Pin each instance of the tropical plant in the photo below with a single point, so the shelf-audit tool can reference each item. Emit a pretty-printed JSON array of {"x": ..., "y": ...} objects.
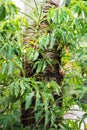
[
  {"x": 42, "y": 69},
  {"x": 10, "y": 62}
]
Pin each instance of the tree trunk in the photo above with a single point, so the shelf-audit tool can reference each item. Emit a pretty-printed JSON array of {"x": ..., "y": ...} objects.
[{"x": 50, "y": 73}]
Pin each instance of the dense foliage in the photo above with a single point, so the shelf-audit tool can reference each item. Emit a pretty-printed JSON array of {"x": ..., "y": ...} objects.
[{"x": 65, "y": 28}]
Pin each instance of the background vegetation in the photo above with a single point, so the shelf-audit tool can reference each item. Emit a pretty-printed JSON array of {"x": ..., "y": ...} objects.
[{"x": 43, "y": 70}]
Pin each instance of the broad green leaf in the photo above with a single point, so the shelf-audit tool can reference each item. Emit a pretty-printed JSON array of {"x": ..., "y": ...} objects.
[
  {"x": 37, "y": 103},
  {"x": 9, "y": 52},
  {"x": 50, "y": 14},
  {"x": 50, "y": 96},
  {"x": 22, "y": 86},
  {"x": 45, "y": 100},
  {"x": 84, "y": 116},
  {"x": 43, "y": 66},
  {"x": 17, "y": 50},
  {"x": 17, "y": 64},
  {"x": 28, "y": 100},
  {"x": 11, "y": 65},
  {"x": 2, "y": 48},
  {"x": 39, "y": 115},
  {"x": 39, "y": 67},
  {"x": 4, "y": 67},
  {"x": 35, "y": 55},
  {"x": 16, "y": 89},
  {"x": 55, "y": 16},
  {"x": 53, "y": 118},
  {"x": 12, "y": 86},
  {"x": 44, "y": 41},
  {"x": 76, "y": 8},
  {"x": 2, "y": 12},
  {"x": 55, "y": 86},
  {"x": 47, "y": 117},
  {"x": 13, "y": 9},
  {"x": 52, "y": 39},
  {"x": 67, "y": 2},
  {"x": 32, "y": 54},
  {"x": 62, "y": 16}
]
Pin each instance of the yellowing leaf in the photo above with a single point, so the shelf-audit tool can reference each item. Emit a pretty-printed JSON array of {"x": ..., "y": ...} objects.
[
  {"x": 48, "y": 85},
  {"x": 32, "y": 42}
]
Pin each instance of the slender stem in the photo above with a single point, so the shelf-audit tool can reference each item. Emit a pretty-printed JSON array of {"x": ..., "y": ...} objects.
[{"x": 27, "y": 15}]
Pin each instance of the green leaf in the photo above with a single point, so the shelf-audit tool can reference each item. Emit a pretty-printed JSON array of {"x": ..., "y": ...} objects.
[
  {"x": 84, "y": 116},
  {"x": 52, "y": 41},
  {"x": 32, "y": 54},
  {"x": 53, "y": 118},
  {"x": 67, "y": 2},
  {"x": 4, "y": 68},
  {"x": 35, "y": 55},
  {"x": 43, "y": 66},
  {"x": 62, "y": 16},
  {"x": 2, "y": 48},
  {"x": 28, "y": 100},
  {"x": 17, "y": 51},
  {"x": 12, "y": 88},
  {"x": 76, "y": 8},
  {"x": 13, "y": 9},
  {"x": 44, "y": 41},
  {"x": 39, "y": 66},
  {"x": 50, "y": 14},
  {"x": 2, "y": 12},
  {"x": 37, "y": 103},
  {"x": 38, "y": 115},
  {"x": 22, "y": 86},
  {"x": 10, "y": 68},
  {"x": 16, "y": 89},
  {"x": 55, "y": 16},
  {"x": 47, "y": 118},
  {"x": 55, "y": 86},
  {"x": 9, "y": 52}
]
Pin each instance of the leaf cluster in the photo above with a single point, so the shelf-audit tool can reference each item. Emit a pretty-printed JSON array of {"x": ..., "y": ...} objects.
[{"x": 63, "y": 27}]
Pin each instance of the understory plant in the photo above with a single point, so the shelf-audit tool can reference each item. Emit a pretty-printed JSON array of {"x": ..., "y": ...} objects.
[{"x": 43, "y": 68}]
